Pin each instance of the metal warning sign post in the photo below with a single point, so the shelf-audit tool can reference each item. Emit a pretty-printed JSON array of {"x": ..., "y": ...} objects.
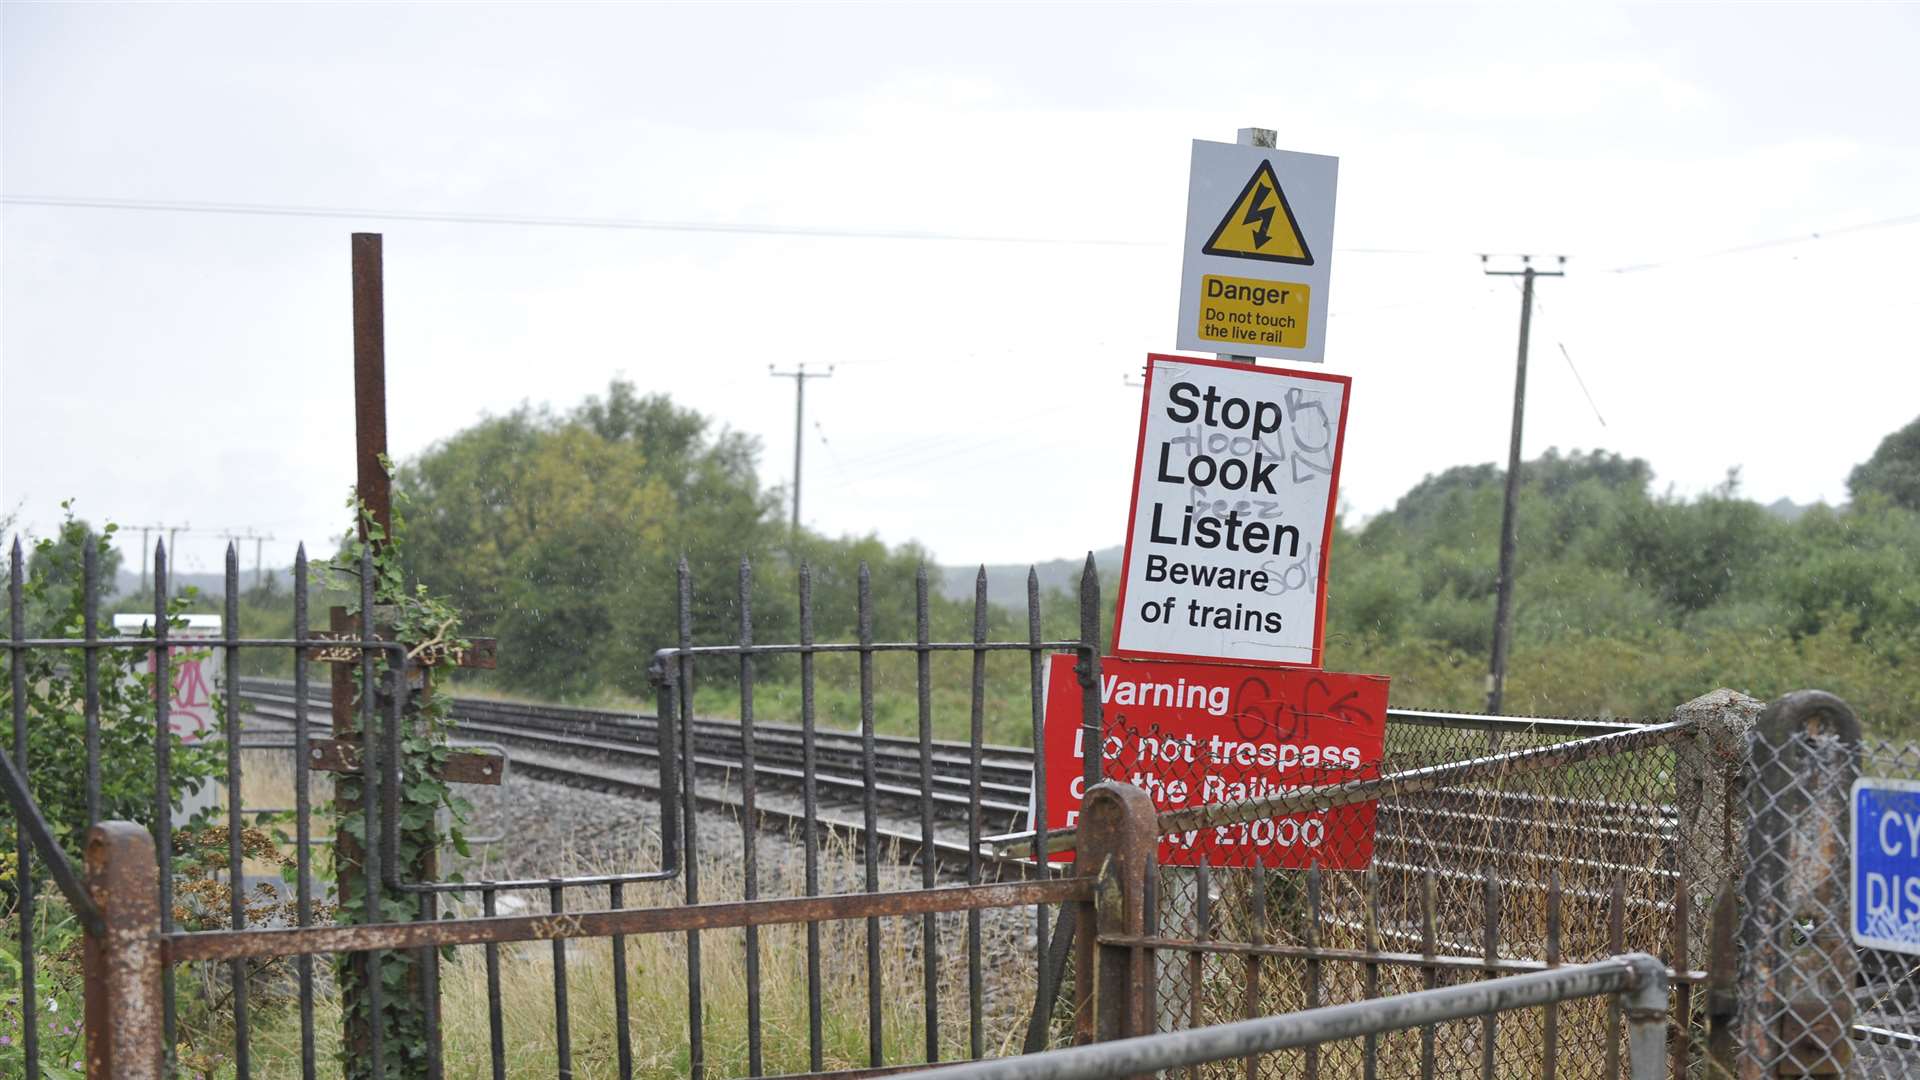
[
  {"x": 1259, "y": 251},
  {"x": 1233, "y": 502}
]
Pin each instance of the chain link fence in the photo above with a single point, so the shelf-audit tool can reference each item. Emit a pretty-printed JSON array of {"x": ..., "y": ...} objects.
[
  {"x": 1496, "y": 847},
  {"x": 1813, "y": 1003}
]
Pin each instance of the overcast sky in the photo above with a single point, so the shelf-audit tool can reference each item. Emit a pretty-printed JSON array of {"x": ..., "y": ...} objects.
[{"x": 973, "y": 211}]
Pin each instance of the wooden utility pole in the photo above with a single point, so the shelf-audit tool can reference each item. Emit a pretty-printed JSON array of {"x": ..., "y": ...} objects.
[
  {"x": 1503, "y": 600},
  {"x": 799, "y": 377}
]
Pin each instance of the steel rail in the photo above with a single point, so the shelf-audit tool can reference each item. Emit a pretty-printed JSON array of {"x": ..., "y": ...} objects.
[
  {"x": 948, "y": 853},
  {"x": 1011, "y": 763},
  {"x": 577, "y": 747},
  {"x": 1638, "y": 976}
]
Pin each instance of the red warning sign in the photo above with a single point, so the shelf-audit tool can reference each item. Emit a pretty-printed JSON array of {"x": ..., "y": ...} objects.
[{"x": 1189, "y": 734}]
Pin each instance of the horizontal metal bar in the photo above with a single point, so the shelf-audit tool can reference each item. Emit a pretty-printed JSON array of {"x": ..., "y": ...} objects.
[
  {"x": 1880, "y": 1036},
  {"x": 235, "y": 944},
  {"x": 864, "y": 1072},
  {"x": 1509, "y": 725},
  {"x": 1411, "y": 781},
  {"x": 1145, "y": 1054},
  {"x": 189, "y": 644},
  {"x": 1426, "y": 779},
  {"x": 1510, "y": 965},
  {"x": 674, "y": 653}
]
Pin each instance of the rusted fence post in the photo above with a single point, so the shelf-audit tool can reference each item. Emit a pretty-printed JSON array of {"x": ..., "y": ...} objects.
[
  {"x": 122, "y": 965},
  {"x": 1800, "y": 965},
  {"x": 1119, "y": 840}
]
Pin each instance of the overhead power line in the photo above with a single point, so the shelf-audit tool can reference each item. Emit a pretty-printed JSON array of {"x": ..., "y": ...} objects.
[
  {"x": 547, "y": 221},
  {"x": 1583, "y": 384},
  {"x": 631, "y": 224},
  {"x": 1763, "y": 245}
]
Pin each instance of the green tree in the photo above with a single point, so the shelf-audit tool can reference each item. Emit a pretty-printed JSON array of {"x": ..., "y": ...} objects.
[
  {"x": 1893, "y": 471},
  {"x": 55, "y": 705},
  {"x": 560, "y": 532},
  {"x": 57, "y": 565}
]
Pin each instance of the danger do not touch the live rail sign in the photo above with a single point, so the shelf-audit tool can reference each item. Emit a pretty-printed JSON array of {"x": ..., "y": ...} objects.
[
  {"x": 1259, "y": 252},
  {"x": 1235, "y": 478}
]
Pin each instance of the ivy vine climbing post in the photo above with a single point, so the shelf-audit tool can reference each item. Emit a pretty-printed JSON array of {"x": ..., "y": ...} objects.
[{"x": 394, "y": 771}]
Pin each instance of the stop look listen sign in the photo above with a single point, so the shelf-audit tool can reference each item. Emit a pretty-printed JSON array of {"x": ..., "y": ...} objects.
[{"x": 1235, "y": 478}]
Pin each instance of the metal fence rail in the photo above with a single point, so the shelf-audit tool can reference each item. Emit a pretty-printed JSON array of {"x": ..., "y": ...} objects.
[
  {"x": 1639, "y": 980},
  {"x": 125, "y": 1033}
]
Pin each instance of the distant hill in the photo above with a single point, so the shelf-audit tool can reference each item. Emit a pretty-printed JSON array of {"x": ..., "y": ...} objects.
[
  {"x": 1007, "y": 583},
  {"x": 1787, "y": 510}
]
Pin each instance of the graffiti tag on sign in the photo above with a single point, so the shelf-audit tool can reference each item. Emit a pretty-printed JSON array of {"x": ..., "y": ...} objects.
[
  {"x": 1191, "y": 734},
  {"x": 1236, "y": 477},
  {"x": 194, "y": 672}
]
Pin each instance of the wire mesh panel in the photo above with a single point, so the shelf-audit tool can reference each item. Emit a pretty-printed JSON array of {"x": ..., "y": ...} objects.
[
  {"x": 1814, "y": 1003},
  {"x": 1557, "y": 846}
]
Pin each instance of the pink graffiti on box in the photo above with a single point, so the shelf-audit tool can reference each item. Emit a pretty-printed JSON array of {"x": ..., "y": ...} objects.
[{"x": 194, "y": 670}]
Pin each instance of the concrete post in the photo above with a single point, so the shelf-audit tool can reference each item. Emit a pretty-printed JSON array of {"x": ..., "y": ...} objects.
[{"x": 1800, "y": 962}]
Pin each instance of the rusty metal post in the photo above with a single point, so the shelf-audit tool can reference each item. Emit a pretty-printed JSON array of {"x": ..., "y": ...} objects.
[
  {"x": 122, "y": 963},
  {"x": 373, "y": 523},
  {"x": 371, "y": 481},
  {"x": 1119, "y": 845},
  {"x": 1801, "y": 964}
]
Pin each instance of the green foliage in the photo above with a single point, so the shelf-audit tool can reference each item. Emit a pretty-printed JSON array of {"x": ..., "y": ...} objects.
[
  {"x": 61, "y": 997},
  {"x": 57, "y": 771},
  {"x": 428, "y": 629},
  {"x": 1893, "y": 472},
  {"x": 56, "y": 706},
  {"x": 57, "y": 568},
  {"x": 559, "y": 533}
]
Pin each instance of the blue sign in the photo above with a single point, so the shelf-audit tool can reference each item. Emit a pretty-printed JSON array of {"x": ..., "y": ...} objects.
[{"x": 1886, "y": 864}]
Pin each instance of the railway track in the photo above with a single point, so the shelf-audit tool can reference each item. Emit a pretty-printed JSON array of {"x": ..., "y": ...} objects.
[{"x": 618, "y": 754}]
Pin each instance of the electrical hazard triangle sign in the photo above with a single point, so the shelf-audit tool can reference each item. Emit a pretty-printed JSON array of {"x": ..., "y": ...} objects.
[
  {"x": 1255, "y": 281},
  {"x": 1260, "y": 224}
]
